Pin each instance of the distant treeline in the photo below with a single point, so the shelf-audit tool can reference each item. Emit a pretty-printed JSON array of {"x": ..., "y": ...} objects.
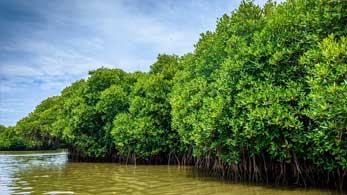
[{"x": 263, "y": 98}]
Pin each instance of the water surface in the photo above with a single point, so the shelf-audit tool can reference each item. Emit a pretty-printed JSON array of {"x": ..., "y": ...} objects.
[{"x": 51, "y": 173}]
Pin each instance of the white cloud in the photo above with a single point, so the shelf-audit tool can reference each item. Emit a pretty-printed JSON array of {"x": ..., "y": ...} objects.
[{"x": 70, "y": 38}]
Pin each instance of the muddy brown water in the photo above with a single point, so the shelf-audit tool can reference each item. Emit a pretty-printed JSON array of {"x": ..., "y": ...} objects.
[{"x": 50, "y": 172}]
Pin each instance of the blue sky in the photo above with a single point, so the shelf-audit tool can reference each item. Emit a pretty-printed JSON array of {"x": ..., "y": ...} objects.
[{"x": 46, "y": 45}]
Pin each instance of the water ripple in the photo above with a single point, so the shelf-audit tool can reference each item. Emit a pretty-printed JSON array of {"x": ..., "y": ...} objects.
[{"x": 53, "y": 174}]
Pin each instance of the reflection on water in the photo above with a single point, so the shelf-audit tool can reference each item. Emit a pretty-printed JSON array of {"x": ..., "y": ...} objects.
[{"x": 50, "y": 173}]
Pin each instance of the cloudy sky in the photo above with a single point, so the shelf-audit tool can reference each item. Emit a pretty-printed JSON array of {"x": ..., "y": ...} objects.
[{"x": 46, "y": 45}]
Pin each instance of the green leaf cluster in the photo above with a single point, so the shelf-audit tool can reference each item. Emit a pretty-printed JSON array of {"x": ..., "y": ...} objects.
[{"x": 269, "y": 80}]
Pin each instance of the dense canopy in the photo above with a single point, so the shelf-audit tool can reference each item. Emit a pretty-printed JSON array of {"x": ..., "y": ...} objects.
[{"x": 262, "y": 98}]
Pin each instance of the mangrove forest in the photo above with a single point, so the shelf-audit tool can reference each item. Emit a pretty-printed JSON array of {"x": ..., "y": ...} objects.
[{"x": 262, "y": 98}]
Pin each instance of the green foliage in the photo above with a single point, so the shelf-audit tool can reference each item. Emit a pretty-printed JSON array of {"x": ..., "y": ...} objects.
[
  {"x": 10, "y": 140},
  {"x": 144, "y": 129},
  {"x": 269, "y": 81},
  {"x": 37, "y": 127},
  {"x": 89, "y": 108},
  {"x": 243, "y": 90},
  {"x": 326, "y": 104}
]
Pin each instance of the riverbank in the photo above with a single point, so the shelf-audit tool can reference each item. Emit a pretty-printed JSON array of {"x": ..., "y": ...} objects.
[
  {"x": 31, "y": 152},
  {"x": 53, "y": 174},
  {"x": 257, "y": 169}
]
